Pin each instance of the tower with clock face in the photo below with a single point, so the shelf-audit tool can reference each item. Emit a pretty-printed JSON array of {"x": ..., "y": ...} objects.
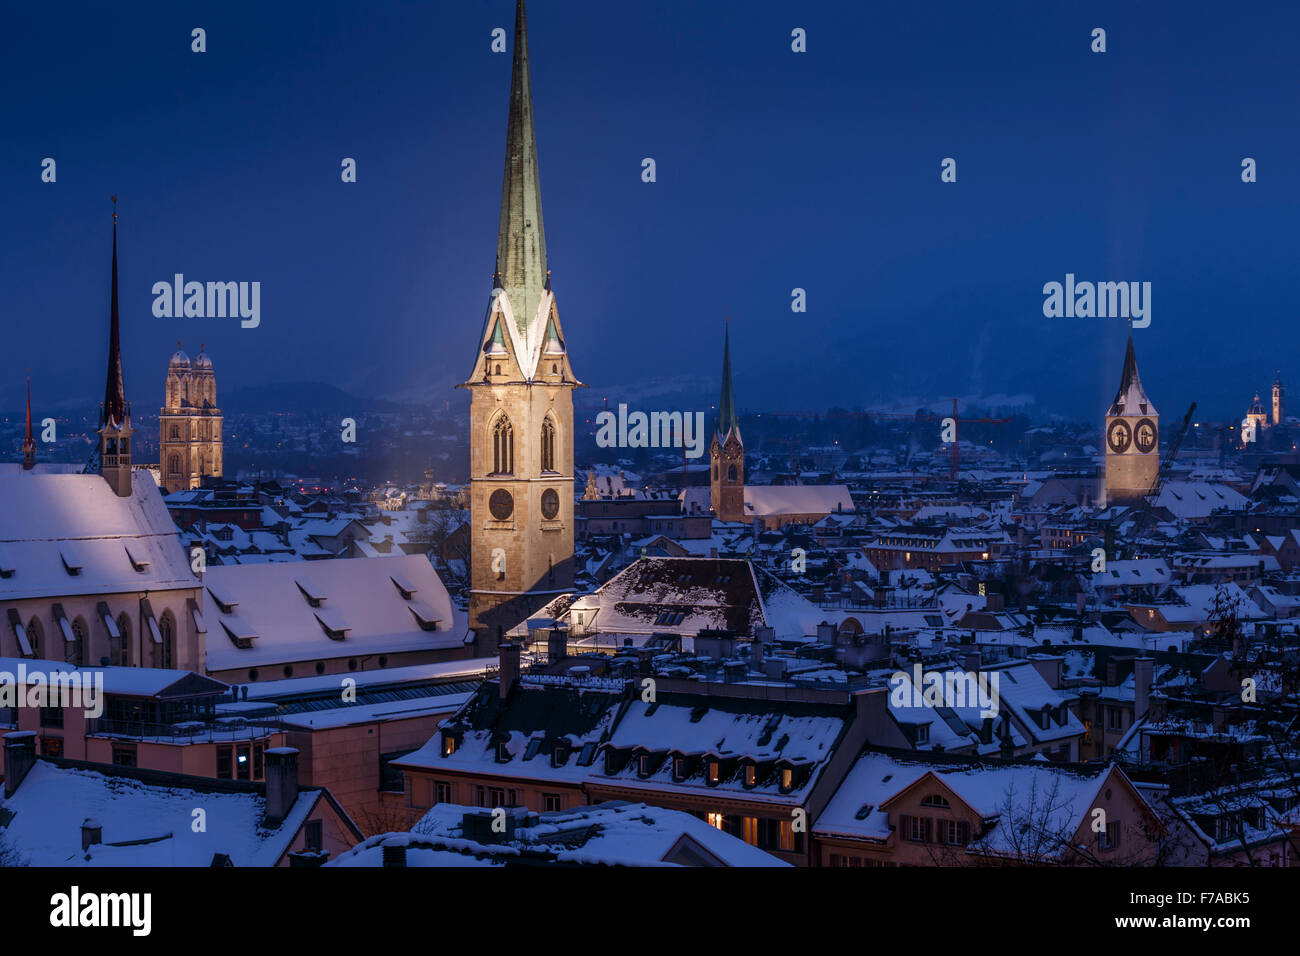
[
  {"x": 521, "y": 407},
  {"x": 1132, "y": 438}
]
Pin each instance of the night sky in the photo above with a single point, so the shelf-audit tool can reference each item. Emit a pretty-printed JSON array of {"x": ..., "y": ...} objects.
[{"x": 775, "y": 170}]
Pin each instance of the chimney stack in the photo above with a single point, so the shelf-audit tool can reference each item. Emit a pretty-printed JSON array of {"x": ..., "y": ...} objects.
[
  {"x": 1143, "y": 671},
  {"x": 557, "y": 644},
  {"x": 92, "y": 832},
  {"x": 971, "y": 661},
  {"x": 508, "y": 672},
  {"x": 20, "y": 757},
  {"x": 394, "y": 850},
  {"x": 281, "y": 783}
]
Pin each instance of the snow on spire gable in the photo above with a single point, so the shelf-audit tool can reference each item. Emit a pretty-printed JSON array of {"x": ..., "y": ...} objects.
[
  {"x": 521, "y": 239},
  {"x": 1131, "y": 399}
]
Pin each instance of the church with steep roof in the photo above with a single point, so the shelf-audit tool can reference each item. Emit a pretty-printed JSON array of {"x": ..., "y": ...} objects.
[{"x": 521, "y": 407}]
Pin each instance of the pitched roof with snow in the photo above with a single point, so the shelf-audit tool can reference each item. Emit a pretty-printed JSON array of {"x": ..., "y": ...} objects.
[
  {"x": 324, "y": 609},
  {"x": 69, "y": 534}
]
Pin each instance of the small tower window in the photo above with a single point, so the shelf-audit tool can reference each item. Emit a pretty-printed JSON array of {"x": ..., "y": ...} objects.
[
  {"x": 548, "y": 445},
  {"x": 503, "y": 447},
  {"x": 731, "y": 472}
]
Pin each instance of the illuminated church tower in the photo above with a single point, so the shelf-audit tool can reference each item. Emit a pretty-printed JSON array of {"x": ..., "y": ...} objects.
[
  {"x": 521, "y": 408},
  {"x": 727, "y": 452},
  {"x": 1279, "y": 400},
  {"x": 189, "y": 445},
  {"x": 1132, "y": 438}
]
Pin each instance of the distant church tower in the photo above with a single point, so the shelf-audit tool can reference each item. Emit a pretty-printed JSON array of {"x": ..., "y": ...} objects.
[
  {"x": 521, "y": 408},
  {"x": 113, "y": 457},
  {"x": 1132, "y": 438},
  {"x": 1279, "y": 400},
  {"x": 29, "y": 443},
  {"x": 727, "y": 453},
  {"x": 190, "y": 444}
]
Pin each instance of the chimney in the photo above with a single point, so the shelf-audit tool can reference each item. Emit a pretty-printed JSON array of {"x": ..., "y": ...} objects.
[
  {"x": 557, "y": 644},
  {"x": 92, "y": 832},
  {"x": 1143, "y": 670},
  {"x": 281, "y": 783},
  {"x": 986, "y": 730},
  {"x": 394, "y": 849},
  {"x": 1007, "y": 748},
  {"x": 20, "y": 757},
  {"x": 1081, "y": 602},
  {"x": 1112, "y": 672},
  {"x": 508, "y": 671},
  {"x": 826, "y": 633},
  {"x": 971, "y": 661}
]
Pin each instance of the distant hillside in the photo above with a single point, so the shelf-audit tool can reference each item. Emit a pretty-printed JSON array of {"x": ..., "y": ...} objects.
[{"x": 300, "y": 398}]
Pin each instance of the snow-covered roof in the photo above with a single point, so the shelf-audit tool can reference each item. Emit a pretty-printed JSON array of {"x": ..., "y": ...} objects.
[
  {"x": 271, "y": 606},
  {"x": 764, "y": 501},
  {"x": 69, "y": 534},
  {"x": 156, "y": 821}
]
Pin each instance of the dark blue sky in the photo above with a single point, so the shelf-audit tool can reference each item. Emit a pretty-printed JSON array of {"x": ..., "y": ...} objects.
[{"x": 775, "y": 170}]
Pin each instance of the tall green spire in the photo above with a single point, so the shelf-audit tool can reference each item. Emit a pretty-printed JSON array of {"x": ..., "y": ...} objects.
[
  {"x": 521, "y": 240},
  {"x": 727, "y": 403}
]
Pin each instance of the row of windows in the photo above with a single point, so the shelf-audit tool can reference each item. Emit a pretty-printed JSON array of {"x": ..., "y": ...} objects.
[
  {"x": 319, "y": 667},
  {"x": 503, "y": 446},
  {"x": 422, "y": 793},
  {"x": 78, "y": 651}
]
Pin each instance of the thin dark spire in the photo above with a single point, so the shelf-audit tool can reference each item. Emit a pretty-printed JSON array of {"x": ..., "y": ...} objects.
[
  {"x": 29, "y": 443},
  {"x": 521, "y": 239},
  {"x": 114, "y": 410},
  {"x": 727, "y": 403}
]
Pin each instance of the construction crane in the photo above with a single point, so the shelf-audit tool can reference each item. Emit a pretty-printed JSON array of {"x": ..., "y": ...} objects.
[
  {"x": 1171, "y": 453},
  {"x": 919, "y": 416}
]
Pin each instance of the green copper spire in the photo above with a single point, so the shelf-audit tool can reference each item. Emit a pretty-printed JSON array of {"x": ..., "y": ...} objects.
[
  {"x": 521, "y": 240},
  {"x": 727, "y": 404}
]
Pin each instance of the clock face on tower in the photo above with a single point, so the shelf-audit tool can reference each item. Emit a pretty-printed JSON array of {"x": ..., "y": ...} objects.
[
  {"x": 550, "y": 504},
  {"x": 501, "y": 504},
  {"x": 1118, "y": 436},
  {"x": 1144, "y": 436}
]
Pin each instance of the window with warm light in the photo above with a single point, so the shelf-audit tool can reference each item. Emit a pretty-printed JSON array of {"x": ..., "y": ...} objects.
[
  {"x": 714, "y": 820},
  {"x": 713, "y": 771}
]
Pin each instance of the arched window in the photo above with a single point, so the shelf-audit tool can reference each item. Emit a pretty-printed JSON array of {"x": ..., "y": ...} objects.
[
  {"x": 174, "y": 464},
  {"x": 123, "y": 649},
  {"x": 731, "y": 472},
  {"x": 165, "y": 653},
  {"x": 76, "y": 654},
  {"x": 503, "y": 447},
  {"x": 548, "y": 445},
  {"x": 176, "y": 431},
  {"x": 35, "y": 636},
  {"x": 715, "y": 471}
]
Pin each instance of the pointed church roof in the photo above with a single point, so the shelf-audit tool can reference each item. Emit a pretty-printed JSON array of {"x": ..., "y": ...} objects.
[
  {"x": 113, "y": 411},
  {"x": 521, "y": 239},
  {"x": 727, "y": 402},
  {"x": 1131, "y": 399}
]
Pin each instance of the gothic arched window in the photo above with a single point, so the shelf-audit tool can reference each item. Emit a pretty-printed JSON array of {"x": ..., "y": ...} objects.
[
  {"x": 164, "y": 653},
  {"x": 173, "y": 464},
  {"x": 731, "y": 472},
  {"x": 548, "y": 445},
  {"x": 503, "y": 447},
  {"x": 123, "y": 655},
  {"x": 35, "y": 636},
  {"x": 176, "y": 431},
  {"x": 76, "y": 654}
]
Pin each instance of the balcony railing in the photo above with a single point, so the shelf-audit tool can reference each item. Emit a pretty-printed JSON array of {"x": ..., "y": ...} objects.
[{"x": 193, "y": 731}]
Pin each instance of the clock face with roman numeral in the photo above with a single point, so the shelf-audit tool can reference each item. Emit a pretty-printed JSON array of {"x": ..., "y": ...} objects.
[
  {"x": 550, "y": 504},
  {"x": 1119, "y": 436},
  {"x": 1144, "y": 436},
  {"x": 501, "y": 504}
]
